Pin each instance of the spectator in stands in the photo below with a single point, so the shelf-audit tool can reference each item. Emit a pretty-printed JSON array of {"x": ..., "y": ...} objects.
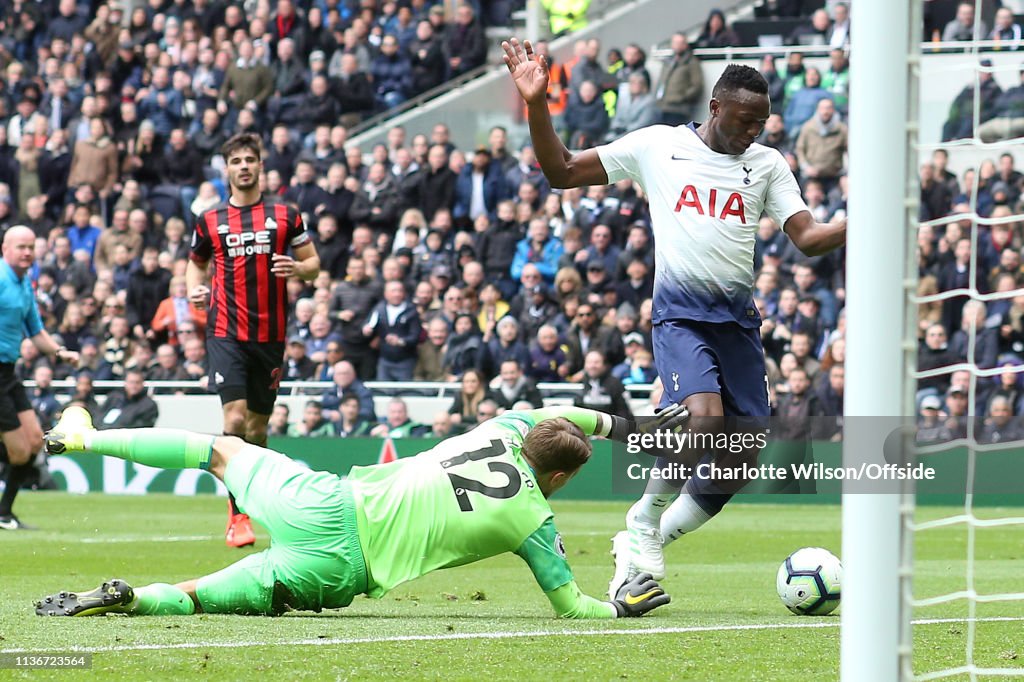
[
  {"x": 955, "y": 274},
  {"x": 936, "y": 200},
  {"x": 176, "y": 311},
  {"x": 539, "y": 248},
  {"x": 182, "y": 169},
  {"x": 638, "y": 367},
  {"x": 130, "y": 407},
  {"x": 497, "y": 248},
  {"x": 775, "y": 135},
  {"x": 160, "y": 102},
  {"x": 986, "y": 338},
  {"x": 681, "y": 83},
  {"x": 839, "y": 34},
  {"x": 1005, "y": 31},
  {"x": 305, "y": 192},
  {"x": 601, "y": 249},
  {"x": 442, "y": 427},
  {"x": 427, "y": 59},
  {"x": 44, "y": 397},
  {"x": 1008, "y": 115},
  {"x": 463, "y": 348},
  {"x": 836, "y": 80},
  {"x": 433, "y": 187},
  {"x": 351, "y": 423},
  {"x": 716, "y": 32},
  {"x": 147, "y": 287},
  {"x": 960, "y": 123},
  {"x": 320, "y": 335},
  {"x": 963, "y": 26},
  {"x": 465, "y": 45},
  {"x": 352, "y": 88},
  {"x": 167, "y": 367},
  {"x": 346, "y": 383},
  {"x": 506, "y": 345},
  {"x": 822, "y": 144},
  {"x": 816, "y": 32},
  {"x": 472, "y": 392},
  {"x": 392, "y": 74},
  {"x": 589, "y": 334},
  {"x": 776, "y": 86},
  {"x": 793, "y": 77},
  {"x": 803, "y": 103},
  {"x": 313, "y": 424},
  {"x": 94, "y": 162},
  {"x": 395, "y": 324},
  {"x": 639, "y": 111},
  {"x": 297, "y": 365},
  {"x": 1000, "y": 425},
  {"x": 398, "y": 424},
  {"x": 116, "y": 234},
  {"x": 431, "y": 353},
  {"x": 277, "y": 425},
  {"x": 82, "y": 235},
  {"x": 934, "y": 352},
  {"x": 491, "y": 309},
  {"x": 513, "y": 387},
  {"x": 377, "y": 202},
  {"x": 602, "y": 391},
  {"x": 248, "y": 84},
  {"x": 479, "y": 188},
  {"x": 289, "y": 83},
  {"x": 548, "y": 362},
  {"x": 195, "y": 362}
]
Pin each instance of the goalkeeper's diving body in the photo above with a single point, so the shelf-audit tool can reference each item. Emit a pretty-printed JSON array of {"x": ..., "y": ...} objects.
[{"x": 471, "y": 497}]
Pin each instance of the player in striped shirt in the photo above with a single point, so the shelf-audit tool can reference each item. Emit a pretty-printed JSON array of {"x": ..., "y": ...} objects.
[
  {"x": 241, "y": 247},
  {"x": 707, "y": 186}
]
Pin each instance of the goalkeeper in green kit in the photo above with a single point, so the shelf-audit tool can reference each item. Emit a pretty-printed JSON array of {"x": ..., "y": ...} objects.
[{"x": 468, "y": 498}]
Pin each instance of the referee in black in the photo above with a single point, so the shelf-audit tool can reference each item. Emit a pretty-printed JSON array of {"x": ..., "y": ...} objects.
[{"x": 19, "y": 317}]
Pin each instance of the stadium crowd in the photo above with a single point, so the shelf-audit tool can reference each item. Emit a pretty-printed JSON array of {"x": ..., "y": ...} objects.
[{"x": 437, "y": 263}]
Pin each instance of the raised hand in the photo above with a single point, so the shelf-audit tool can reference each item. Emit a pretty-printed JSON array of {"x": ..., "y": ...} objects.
[{"x": 529, "y": 71}]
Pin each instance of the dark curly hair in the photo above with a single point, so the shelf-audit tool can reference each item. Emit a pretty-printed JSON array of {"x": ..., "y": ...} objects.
[{"x": 740, "y": 77}]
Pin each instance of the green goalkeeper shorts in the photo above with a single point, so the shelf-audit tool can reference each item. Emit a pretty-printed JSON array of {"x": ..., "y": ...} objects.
[{"x": 314, "y": 561}]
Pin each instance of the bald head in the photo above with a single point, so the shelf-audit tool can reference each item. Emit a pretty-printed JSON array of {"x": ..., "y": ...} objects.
[{"x": 19, "y": 248}]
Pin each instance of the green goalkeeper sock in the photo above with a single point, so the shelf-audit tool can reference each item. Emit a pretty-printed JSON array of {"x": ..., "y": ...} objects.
[
  {"x": 163, "y": 448},
  {"x": 161, "y": 599}
]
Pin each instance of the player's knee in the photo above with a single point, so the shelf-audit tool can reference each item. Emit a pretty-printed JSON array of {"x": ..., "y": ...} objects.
[
  {"x": 234, "y": 422},
  {"x": 256, "y": 433},
  {"x": 224, "y": 448},
  {"x": 20, "y": 451}
]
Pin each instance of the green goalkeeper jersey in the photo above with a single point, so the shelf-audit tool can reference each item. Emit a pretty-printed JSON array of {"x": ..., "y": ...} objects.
[{"x": 468, "y": 498}]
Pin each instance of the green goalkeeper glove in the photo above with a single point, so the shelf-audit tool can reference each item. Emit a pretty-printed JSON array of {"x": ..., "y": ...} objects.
[{"x": 638, "y": 596}]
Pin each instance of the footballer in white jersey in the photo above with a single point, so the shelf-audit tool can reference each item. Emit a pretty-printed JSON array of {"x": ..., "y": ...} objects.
[{"x": 707, "y": 187}]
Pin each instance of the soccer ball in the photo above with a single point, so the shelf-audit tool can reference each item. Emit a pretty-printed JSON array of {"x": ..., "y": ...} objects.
[{"x": 809, "y": 580}]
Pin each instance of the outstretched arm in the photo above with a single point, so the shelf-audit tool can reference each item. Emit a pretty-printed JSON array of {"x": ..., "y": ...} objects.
[
  {"x": 561, "y": 167},
  {"x": 545, "y": 555},
  {"x": 814, "y": 238},
  {"x": 594, "y": 423}
]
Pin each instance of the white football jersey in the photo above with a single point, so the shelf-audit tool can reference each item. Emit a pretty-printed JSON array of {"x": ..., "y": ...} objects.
[{"x": 705, "y": 207}]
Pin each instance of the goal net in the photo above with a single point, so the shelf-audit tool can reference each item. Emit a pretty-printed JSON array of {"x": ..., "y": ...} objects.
[{"x": 952, "y": 560}]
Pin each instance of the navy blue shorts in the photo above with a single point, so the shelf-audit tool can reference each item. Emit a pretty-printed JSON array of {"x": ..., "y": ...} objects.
[{"x": 705, "y": 357}]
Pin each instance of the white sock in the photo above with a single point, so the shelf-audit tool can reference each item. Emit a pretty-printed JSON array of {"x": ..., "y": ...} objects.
[
  {"x": 683, "y": 516},
  {"x": 652, "y": 504}
]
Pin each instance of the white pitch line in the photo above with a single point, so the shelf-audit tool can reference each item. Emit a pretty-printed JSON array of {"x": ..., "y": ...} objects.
[
  {"x": 148, "y": 538},
  {"x": 335, "y": 641}
]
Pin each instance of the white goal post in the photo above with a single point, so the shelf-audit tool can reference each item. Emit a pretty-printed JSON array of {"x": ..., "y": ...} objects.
[{"x": 882, "y": 172}]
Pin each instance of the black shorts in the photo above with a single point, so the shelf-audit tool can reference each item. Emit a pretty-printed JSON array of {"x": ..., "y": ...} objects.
[
  {"x": 245, "y": 370},
  {"x": 13, "y": 398}
]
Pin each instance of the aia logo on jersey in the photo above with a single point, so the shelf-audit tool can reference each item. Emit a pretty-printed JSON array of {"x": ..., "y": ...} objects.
[{"x": 732, "y": 206}]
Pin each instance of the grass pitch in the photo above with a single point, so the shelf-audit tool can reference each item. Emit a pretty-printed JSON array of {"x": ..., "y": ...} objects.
[{"x": 486, "y": 620}]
